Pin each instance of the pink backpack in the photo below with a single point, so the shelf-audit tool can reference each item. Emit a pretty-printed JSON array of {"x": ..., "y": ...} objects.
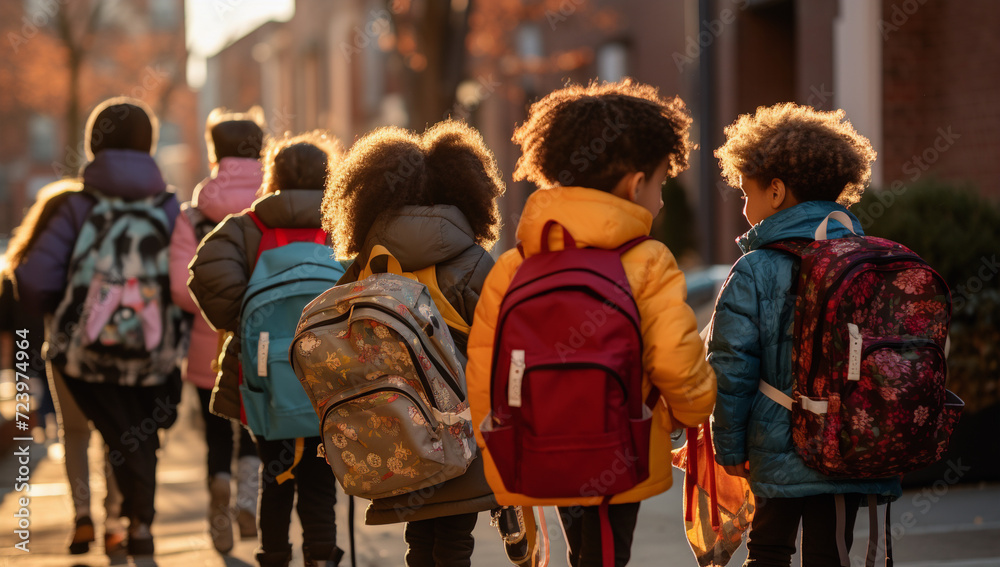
[
  {"x": 567, "y": 415},
  {"x": 869, "y": 357}
]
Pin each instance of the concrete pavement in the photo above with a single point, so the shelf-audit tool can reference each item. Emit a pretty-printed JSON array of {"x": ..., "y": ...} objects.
[{"x": 944, "y": 525}]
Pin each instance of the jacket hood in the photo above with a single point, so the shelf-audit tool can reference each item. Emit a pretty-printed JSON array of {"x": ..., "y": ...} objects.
[
  {"x": 127, "y": 174},
  {"x": 594, "y": 218},
  {"x": 421, "y": 236},
  {"x": 290, "y": 208},
  {"x": 799, "y": 221},
  {"x": 232, "y": 187}
]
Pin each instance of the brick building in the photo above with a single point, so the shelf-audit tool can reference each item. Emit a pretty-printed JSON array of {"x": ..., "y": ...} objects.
[
  {"x": 916, "y": 76},
  {"x": 135, "y": 49}
]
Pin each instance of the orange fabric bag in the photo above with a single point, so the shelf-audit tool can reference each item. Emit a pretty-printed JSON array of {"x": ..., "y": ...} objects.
[{"x": 718, "y": 507}]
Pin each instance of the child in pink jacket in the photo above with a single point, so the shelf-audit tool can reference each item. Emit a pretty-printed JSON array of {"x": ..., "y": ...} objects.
[{"x": 234, "y": 142}]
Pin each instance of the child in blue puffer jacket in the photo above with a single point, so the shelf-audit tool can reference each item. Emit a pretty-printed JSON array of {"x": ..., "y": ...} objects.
[{"x": 795, "y": 166}]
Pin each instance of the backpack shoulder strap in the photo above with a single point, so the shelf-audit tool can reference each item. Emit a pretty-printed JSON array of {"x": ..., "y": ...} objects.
[
  {"x": 621, "y": 250},
  {"x": 428, "y": 277},
  {"x": 793, "y": 246}
]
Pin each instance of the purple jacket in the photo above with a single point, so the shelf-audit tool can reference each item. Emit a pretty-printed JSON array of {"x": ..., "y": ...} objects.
[{"x": 129, "y": 174}]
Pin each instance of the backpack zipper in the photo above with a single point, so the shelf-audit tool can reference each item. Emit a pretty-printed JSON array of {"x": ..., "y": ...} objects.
[
  {"x": 848, "y": 272},
  {"x": 418, "y": 404},
  {"x": 890, "y": 343},
  {"x": 413, "y": 355}
]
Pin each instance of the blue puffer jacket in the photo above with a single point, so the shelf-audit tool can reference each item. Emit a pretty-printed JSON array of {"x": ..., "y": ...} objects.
[{"x": 750, "y": 340}]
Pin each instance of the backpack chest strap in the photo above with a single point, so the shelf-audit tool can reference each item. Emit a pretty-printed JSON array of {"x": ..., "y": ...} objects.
[{"x": 818, "y": 407}]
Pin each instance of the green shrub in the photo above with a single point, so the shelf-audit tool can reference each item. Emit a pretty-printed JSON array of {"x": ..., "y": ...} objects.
[{"x": 957, "y": 231}]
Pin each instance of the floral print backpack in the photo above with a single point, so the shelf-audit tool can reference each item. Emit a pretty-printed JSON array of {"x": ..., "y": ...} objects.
[
  {"x": 378, "y": 362},
  {"x": 868, "y": 358}
]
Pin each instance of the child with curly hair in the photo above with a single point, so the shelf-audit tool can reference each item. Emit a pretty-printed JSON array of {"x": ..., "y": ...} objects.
[
  {"x": 600, "y": 154},
  {"x": 295, "y": 173},
  {"x": 430, "y": 200},
  {"x": 795, "y": 166}
]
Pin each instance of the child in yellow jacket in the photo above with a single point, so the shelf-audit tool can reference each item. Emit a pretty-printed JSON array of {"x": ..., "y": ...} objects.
[{"x": 600, "y": 155}]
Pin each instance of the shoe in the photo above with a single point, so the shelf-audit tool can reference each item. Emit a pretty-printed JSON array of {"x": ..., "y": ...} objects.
[
  {"x": 338, "y": 554},
  {"x": 274, "y": 558},
  {"x": 220, "y": 520},
  {"x": 518, "y": 532},
  {"x": 247, "y": 488},
  {"x": 140, "y": 540},
  {"x": 83, "y": 534},
  {"x": 114, "y": 543},
  {"x": 247, "y": 522}
]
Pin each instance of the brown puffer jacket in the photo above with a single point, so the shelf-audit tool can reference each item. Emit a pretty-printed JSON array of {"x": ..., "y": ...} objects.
[
  {"x": 221, "y": 270},
  {"x": 420, "y": 237}
]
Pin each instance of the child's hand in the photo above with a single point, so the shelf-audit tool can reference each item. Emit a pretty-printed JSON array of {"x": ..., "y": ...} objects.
[{"x": 738, "y": 470}]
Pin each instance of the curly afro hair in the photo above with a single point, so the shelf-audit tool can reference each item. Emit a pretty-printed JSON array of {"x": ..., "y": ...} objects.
[
  {"x": 817, "y": 154},
  {"x": 390, "y": 168},
  {"x": 593, "y": 136},
  {"x": 302, "y": 161}
]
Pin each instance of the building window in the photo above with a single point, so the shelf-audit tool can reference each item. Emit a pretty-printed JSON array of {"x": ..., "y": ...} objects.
[
  {"x": 612, "y": 62},
  {"x": 164, "y": 14},
  {"x": 42, "y": 138}
]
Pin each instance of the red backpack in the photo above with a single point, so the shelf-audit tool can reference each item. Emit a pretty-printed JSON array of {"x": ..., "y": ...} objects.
[
  {"x": 868, "y": 358},
  {"x": 567, "y": 415}
]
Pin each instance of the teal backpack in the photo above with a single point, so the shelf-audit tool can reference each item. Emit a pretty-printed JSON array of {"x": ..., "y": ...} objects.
[{"x": 293, "y": 266}]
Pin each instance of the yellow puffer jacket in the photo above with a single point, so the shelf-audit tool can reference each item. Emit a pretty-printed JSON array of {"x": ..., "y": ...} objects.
[{"x": 674, "y": 357}]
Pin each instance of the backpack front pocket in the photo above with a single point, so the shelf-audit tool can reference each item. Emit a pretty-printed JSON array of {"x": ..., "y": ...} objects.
[{"x": 385, "y": 441}]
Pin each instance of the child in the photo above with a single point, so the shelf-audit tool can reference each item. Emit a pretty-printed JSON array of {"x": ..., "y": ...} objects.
[
  {"x": 431, "y": 201},
  {"x": 74, "y": 427},
  {"x": 234, "y": 142},
  {"x": 795, "y": 166},
  {"x": 295, "y": 172},
  {"x": 118, "y": 358},
  {"x": 600, "y": 154}
]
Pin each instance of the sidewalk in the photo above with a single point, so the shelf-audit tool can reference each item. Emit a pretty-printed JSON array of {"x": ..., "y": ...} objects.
[{"x": 939, "y": 526}]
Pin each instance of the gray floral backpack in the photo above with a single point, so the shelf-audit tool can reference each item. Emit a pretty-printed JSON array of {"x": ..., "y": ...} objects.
[{"x": 379, "y": 365}]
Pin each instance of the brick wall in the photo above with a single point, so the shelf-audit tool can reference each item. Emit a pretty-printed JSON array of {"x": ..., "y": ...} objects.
[{"x": 941, "y": 68}]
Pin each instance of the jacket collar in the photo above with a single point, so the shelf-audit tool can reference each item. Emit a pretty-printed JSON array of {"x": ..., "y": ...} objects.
[
  {"x": 421, "y": 236},
  {"x": 799, "y": 221},
  {"x": 232, "y": 187},
  {"x": 127, "y": 174},
  {"x": 594, "y": 218}
]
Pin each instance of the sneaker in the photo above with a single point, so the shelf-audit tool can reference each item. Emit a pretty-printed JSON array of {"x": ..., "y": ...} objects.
[
  {"x": 517, "y": 530},
  {"x": 140, "y": 540},
  {"x": 114, "y": 543},
  {"x": 220, "y": 521},
  {"x": 83, "y": 534}
]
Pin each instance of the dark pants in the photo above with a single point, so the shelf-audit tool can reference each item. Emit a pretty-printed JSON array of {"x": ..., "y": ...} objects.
[
  {"x": 582, "y": 526},
  {"x": 219, "y": 438},
  {"x": 317, "y": 488},
  {"x": 776, "y": 524},
  {"x": 440, "y": 542},
  {"x": 128, "y": 419}
]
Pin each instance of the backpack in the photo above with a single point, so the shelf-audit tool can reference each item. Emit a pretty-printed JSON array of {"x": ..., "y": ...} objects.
[
  {"x": 116, "y": 323},
  {"x": 379, "y": 364},
  {"x": 201, "y": 224},
  {"x": 566, "y": 378},
  {"x": 293, "y": 266},
  {"x": 868, "y": 358}
]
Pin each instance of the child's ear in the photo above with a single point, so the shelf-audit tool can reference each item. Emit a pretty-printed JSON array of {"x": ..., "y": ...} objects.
[
  {"x": 777, "y": 193},
  {"x": 628, "y": 186}
]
